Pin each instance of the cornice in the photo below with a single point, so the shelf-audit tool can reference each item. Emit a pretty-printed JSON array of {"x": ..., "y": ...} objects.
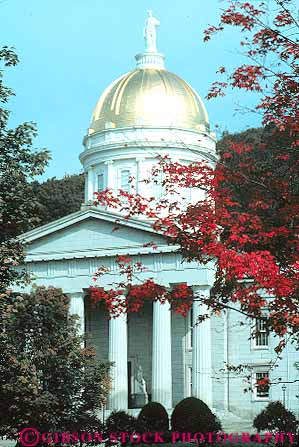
[{"x": 99, "y": 253}]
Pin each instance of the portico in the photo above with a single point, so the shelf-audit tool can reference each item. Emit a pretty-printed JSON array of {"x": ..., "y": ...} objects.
[{"x": 159, "y": 337}]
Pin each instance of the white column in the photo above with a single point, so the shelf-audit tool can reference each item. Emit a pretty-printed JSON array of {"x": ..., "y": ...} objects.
[
  {"x": 226, "y": 359},
  {"x": 142, "y": 187},
  {"x": 90, "y": 184},
  {"x": 161, "y": 355},
  {"x": 86, "y": 186},
  {"x": 110, "y": 175},
  {"x": 201, "y": 352},
  {"x": 118, "y": 355},
  {"x": 77, "y": 308}
]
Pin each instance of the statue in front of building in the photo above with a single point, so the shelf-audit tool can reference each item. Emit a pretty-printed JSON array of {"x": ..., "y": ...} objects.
[
  {"x": 140, "y": 387},
  {"x": 150, "y": 34}
]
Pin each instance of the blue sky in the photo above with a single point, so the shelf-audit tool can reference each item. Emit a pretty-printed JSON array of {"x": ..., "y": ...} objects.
[{"x": 70, "y": 50}]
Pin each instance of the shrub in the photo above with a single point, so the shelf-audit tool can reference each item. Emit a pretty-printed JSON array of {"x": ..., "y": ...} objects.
[
  {"x": 152, "y": 418},
  {"x": 120, "y": 421},
  {"x": 193, "y": 415},
  {"x": 276, "y": 418}
]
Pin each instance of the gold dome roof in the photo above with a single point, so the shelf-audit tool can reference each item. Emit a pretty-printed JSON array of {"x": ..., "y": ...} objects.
[{"x": 149, "y": 97}]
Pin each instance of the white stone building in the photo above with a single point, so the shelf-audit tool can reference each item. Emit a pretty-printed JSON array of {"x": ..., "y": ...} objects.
[{"x": 146, "y": 112}]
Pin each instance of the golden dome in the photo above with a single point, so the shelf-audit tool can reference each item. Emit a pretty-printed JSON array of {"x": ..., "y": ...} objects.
[{"x": 149, "y": 97}]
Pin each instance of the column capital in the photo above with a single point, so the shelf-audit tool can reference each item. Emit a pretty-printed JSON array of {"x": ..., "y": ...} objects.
[
  {"x": 201, "y": 290},
  {"x": 76, "y": 294},
  {"x": 201, "y": 286},
  {"x": 109, "y": 162}
]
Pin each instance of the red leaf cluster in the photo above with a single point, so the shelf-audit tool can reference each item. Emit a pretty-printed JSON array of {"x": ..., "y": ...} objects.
[
  {"x": 127, "y": 297},
  {"x": 248, "y": 220}
]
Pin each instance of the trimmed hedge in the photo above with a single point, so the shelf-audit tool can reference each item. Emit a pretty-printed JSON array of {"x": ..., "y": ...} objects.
[
  {"x": 276, "y": 418},
  {"x": 193, "y": 415},
  {"x": 153, "y": 418}
]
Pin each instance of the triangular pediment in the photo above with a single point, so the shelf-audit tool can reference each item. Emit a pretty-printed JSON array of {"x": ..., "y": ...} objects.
[{"x": 90, "y": 233}]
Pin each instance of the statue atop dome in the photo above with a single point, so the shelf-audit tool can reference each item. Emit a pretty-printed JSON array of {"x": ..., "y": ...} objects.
[{"x": 150, "y": 33}]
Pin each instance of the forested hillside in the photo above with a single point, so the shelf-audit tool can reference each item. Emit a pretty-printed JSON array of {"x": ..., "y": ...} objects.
[{"x": 58, "y": 197}]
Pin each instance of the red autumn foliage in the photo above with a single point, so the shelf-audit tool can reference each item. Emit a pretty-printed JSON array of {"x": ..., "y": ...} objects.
[
  {"x": 248, "y": 221},
  {"x": 129, "y": 297}
]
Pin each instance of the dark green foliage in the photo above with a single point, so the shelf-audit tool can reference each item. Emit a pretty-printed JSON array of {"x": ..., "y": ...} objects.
[
  {"x": 153, "y": 418},
  {"x": 47, "y": 380},
  {"x": 193, "y": 415},
  {"x": 120, "y": 421},
  {"x": 19, "y": 165},
  {"x": 58, "y": 197},
  {"x": 276, "y": 418}
]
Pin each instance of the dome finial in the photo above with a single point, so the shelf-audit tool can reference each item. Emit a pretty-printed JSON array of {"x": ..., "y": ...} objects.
[
  {"x": 150, "y": 33},
  {"x": 150, "y": 58}
]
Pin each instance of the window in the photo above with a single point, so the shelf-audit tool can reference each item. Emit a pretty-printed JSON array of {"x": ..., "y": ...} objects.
[
  {"x": 100, "y": 182},
  {"x": 125, "y": 180},
  {"x": 261, "y": 334},
  {"x": 260, "y": 392}
]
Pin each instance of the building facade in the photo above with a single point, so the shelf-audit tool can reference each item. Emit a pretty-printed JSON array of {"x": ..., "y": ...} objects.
[{"x": 157, "y": 355}]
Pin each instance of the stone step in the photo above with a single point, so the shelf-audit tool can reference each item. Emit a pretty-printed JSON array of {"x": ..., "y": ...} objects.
[{"x": 233, "y": 423}]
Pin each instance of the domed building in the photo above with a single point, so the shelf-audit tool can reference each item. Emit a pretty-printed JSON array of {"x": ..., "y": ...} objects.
[
  {"x": 157, "y": 355},
  {"x": 144, "y": 113}
]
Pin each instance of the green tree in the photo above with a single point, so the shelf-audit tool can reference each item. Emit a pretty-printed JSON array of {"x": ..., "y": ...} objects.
[
  {"x": 47, "y": 380},
  {"x": 58, "y": 197},
  {"x": 19, "y": 165}
]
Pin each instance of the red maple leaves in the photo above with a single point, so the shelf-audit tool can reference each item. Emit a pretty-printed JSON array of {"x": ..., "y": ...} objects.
[
  {"x": 247, "y": 220},
  {"x": 126, "y": 296}
]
